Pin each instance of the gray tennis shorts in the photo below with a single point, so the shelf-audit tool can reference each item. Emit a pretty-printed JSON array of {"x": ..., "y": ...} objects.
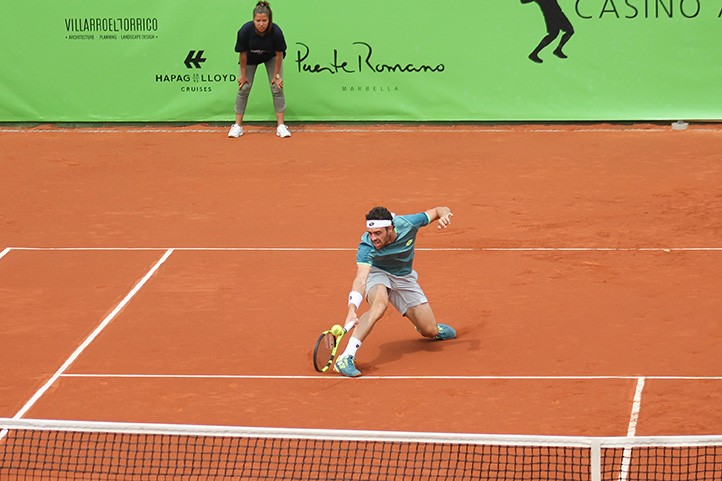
[{"x": 404, "y": 291}]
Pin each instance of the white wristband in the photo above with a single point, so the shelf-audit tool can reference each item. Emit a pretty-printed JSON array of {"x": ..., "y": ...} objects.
[{"x": 355, "y": 298}]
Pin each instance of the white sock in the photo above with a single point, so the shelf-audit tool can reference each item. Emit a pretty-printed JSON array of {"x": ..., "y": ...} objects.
[{"x": 352, "y": 347}]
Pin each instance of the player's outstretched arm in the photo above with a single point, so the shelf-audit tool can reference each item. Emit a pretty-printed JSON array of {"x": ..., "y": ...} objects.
[
  {"x": 440, "y": 214},
  {"x": 358, "y": 288}
]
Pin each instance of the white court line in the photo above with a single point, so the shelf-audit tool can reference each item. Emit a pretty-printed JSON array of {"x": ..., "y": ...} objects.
[
  {"x": 393, "y": 378},
  {"x": 248, "y": 249},
  {"x": 632, "y": 429},
  {"x": 636, "y": 405},
  {"x": 481, "y": 129},
  {"x": 39, "y": 393},
  {"x": 347, "y": 249},
  {"x": 4, "y": 252}
]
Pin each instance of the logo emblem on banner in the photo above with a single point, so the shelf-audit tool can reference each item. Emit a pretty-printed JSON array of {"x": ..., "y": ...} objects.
[
  {"x": 556, "y": 21},
  {"x": 195, "y": 82},
  {"x": 194, "y": 59}
]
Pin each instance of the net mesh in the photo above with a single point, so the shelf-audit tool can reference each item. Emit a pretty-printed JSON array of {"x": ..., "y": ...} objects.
[{"x": 66, "y": 450}]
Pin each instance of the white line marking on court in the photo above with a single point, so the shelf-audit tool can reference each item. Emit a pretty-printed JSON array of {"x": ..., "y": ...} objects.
[
  {"x": 4, "y": 252},
  {"x": 636, "y": 405},
  {"x": 392, "y": 378},
  {"x": 632, "y": 429},
  {"x": 91, "y": 337},
  {"x": 247, "y": 249},
  {"x": 481, "y": 129},
  {"x": 348, "y": 249}
]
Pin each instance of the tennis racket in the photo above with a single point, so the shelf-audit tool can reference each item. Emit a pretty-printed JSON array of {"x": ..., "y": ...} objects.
[{"x": 324, "y": 352}]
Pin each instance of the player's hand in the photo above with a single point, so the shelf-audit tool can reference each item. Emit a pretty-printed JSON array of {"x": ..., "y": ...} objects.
[
  {"x": 241, "y": 81},
  {"x": 278, "y": 81},
  {"x": 444, "y": 221},
  {"x": 351, "y": 317}
]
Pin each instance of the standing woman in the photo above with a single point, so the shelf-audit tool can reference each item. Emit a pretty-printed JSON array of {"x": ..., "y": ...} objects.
[{"x": 260, "y": 42}]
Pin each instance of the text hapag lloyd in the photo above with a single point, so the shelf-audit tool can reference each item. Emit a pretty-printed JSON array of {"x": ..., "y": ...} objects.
[{"x": 186, "y": 77}]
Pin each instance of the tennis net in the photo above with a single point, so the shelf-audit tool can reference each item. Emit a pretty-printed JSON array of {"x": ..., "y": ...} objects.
[{"x": 78, "y": 450}]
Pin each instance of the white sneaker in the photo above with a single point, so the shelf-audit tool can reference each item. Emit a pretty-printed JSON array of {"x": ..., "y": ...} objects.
[
  {"x": 236, "y": 131},
  {"x": 282, "y": 131}
]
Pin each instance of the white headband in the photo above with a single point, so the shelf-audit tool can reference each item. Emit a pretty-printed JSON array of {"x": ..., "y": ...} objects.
[{"x": 377, "y": 224}]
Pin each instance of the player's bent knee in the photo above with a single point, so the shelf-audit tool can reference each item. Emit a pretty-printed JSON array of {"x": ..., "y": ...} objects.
[{"x": 428, "y": 331}]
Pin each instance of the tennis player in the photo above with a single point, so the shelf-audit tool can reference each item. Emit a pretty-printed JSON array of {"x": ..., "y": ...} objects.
[{"x": 384, "y": 275}]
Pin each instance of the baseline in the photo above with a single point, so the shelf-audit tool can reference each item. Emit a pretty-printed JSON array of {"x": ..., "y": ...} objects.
[{"x": 495, "y": 129}]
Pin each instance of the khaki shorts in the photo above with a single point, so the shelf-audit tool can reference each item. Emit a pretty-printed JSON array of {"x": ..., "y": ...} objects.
[{"x": 404, "y": 291}]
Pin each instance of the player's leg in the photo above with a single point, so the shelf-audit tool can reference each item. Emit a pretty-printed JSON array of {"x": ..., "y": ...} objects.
[
  {"x": 377, "y": 295},
  {"x": 378, "y": 299},
  {"x": 279, "y": 99},
  {"x": 423, "y": 318},
  {"x": 243, "y": 93},
  {"x": 409, "y": 299}
]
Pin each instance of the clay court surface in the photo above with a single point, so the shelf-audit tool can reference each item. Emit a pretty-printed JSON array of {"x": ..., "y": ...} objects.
[{"x": 582, "y": 271}]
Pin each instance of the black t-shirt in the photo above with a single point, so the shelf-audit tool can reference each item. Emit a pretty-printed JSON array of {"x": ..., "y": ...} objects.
[{"x": 260, "y": 48}]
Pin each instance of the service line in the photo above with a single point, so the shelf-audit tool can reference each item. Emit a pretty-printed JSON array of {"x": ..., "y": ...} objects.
[
  {"x": 353, "y": 249},
  {"x": 321, "y": 377}
]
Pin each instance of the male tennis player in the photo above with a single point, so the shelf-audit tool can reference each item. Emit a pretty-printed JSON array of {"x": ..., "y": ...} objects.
[{"x": 384, "y": 274}]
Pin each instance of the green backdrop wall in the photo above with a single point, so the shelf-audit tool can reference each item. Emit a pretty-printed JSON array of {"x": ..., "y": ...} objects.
[{"x": 173, "y": 60}]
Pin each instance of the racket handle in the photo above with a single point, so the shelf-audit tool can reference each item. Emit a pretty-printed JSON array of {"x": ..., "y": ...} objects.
[{"x": 349, "y": 325}]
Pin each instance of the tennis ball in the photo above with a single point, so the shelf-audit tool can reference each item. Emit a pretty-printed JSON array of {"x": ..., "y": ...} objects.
[{"x": 337, "y": 330}]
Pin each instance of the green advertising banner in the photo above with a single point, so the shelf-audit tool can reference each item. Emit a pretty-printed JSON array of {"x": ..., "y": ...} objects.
[{"x": 470, "y": 60}]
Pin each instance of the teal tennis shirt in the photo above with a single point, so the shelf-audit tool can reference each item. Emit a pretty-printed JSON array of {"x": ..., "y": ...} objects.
[{"x": 397, "y": 257}]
